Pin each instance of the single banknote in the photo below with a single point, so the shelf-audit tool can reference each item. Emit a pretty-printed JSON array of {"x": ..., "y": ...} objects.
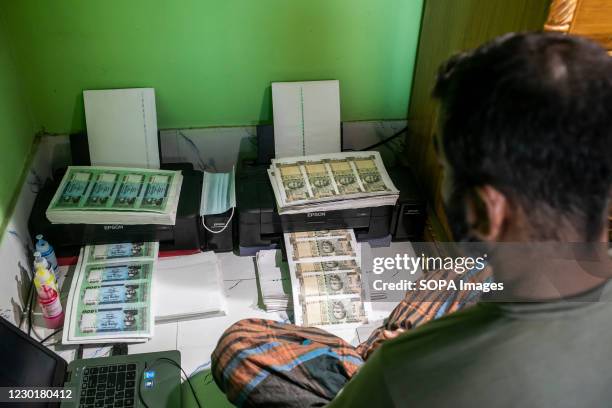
[
  {"x": 122, "y": 272},
  {"x": 101, "y": 253},
  {"x": 129, "y": 190},
  {"x": 111, "y": 293},
  {"x": 322, "y": 248},
  {"x": 321, "y": 183},
  {"x": 326, "y": 266},
  {"x": 103, "y": 189},
  {"x": 369, "y": 174},
  {"x": 113, "y": 320},
  {"x": 74, "y": 188},
  {"x": 293, "y": 183},
  {"x": 309, "y": 235},
  {"x": 329, "y": 284},
  {"x": 329, "y": 311},
  {"x": 345, "y": 177}
]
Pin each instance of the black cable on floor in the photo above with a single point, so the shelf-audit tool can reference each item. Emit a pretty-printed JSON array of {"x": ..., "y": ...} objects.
[{"x": 51, "y": 335}]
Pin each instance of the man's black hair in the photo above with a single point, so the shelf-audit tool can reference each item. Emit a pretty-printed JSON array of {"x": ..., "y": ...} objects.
[{"x": 531, "y": 114}]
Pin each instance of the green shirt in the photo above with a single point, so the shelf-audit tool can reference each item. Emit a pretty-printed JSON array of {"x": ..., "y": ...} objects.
[{"x": 554, "y": 354}]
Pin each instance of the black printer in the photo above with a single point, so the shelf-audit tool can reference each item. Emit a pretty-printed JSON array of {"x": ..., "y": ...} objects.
[
  {"x": 68, "y": 238},
  {"x": 260, "y": 226}
]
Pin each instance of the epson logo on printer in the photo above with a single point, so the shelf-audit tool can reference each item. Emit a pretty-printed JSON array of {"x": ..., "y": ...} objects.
[
  {"x": 113, "y": 227},
  {"x": 315, "y": 214}
]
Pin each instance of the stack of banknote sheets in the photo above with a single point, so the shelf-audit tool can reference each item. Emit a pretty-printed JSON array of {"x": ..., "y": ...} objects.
[
  {"x": 116, "y": 195},
  {"x": 334, "y": 181},
  {"x": 110, "y": 294},
  {"x": 326, "y": 279}
]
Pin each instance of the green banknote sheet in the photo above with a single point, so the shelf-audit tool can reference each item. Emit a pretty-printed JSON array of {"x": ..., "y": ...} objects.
[
  {"x": 110, "y": 299},
  {"x": 115, "y": 189}
]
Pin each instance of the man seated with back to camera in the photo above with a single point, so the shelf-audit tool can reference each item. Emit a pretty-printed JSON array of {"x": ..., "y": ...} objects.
[{"x": 525, "y": 141}]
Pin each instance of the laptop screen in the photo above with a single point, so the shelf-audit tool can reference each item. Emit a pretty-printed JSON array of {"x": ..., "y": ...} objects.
[{"x": 25, "y": 362}]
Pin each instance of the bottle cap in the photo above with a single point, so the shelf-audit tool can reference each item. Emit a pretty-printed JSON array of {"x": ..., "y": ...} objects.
[
  {"x": 39, "y": 260},
  {"x": 42, "y": 246}
]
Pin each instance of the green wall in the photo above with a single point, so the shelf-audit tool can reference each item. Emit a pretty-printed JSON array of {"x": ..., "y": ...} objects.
[
  {"x": 16, "y": 129},
  {"x": 211, "y": 62}
]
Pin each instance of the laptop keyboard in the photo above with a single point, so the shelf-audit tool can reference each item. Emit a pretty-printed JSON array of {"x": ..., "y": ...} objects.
[{"x": 109, "y": 386}]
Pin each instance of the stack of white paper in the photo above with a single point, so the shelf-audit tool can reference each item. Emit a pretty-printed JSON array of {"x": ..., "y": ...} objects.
[
  {"x": 122, "y": 127},
  {"x": 110, "y": 294},
  {"x": 326, "y": 279},
  {"x": 306, "y": 118},
  {"x": 116, "y": 195},
  {"x": 329, "y": 182},
  {"x": 273, "y": 280},
  {"x": 188, "y": 287}
]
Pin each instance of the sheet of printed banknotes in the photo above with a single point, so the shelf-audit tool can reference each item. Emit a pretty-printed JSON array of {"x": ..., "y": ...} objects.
[
  {"x": 326, "y": 278},
  {"x": 116, "y": 195},
  {"x": 332, "y": 181},
  {"x": 110, "y": 294}
]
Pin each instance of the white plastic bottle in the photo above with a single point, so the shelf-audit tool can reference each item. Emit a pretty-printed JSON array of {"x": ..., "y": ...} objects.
[{"x": 47, "y": 252}]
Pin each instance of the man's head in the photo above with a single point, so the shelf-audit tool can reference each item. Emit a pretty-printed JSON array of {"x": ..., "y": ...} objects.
[{"x": 525, "y": 137}]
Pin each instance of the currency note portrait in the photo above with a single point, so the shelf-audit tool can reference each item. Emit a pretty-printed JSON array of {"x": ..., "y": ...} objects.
[
  {"x": 345, "y": 177},
  {"x": 320, "y": 182},
  {"x": 330, "y": 284},
  {"x": 321, "y": 312},
  {"x": 293, "y": 182},
  {"x": 369, "y": 174},
  {"x": 322, "y": 248}
]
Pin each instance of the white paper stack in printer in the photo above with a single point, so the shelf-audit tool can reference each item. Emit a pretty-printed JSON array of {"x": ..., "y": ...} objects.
[
  {"x": 274, "y": 280},
  {"x": 122, "y": 127},
  {"x": 188, "y": 287},
  {"x": 306, "y": 118},
  {"x": 333, "y": 181}
]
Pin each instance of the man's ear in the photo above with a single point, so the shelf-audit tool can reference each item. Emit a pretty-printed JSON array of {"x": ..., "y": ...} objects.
[{"x": 487, "y": 211}]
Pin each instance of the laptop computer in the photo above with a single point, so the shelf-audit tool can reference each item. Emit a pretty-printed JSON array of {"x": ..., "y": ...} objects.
[{"x": 137, "y": 380}]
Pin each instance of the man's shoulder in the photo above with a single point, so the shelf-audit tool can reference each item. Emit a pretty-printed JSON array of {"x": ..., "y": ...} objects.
[{"x": 438, "y": 335}]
